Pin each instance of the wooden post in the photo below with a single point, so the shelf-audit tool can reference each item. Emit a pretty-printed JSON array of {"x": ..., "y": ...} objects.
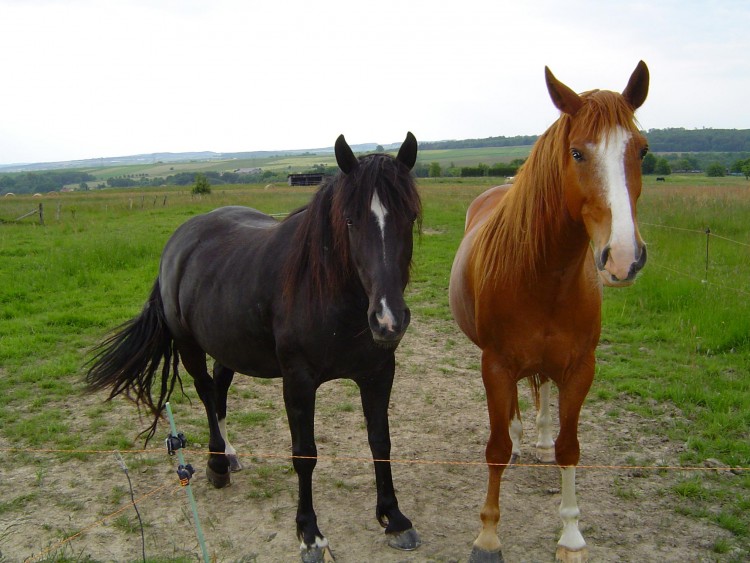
[{"x": 41, "y": 214}]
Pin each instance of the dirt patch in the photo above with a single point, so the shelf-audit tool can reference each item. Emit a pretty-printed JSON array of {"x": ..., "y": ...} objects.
[{"x": 439, "y": 429}]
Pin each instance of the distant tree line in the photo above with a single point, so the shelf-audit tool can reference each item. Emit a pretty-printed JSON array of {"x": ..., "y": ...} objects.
[
  {"x": 189, "y": 179},
  {"x": 698, "y": 140},
  {"x": 517, "y": 141},
  {"x": 672, "y": 140},
  {"x": 42, "y": 182},
  {"x": 499, "y": 169}
]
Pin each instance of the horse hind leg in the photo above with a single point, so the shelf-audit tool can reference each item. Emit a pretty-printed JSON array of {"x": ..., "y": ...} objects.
[
  {"x": 516, "y": 431},
  {"x": 194, "y": 360},
  {"x": 545, "y": 445},
  {"x": 223, "y": 379}
]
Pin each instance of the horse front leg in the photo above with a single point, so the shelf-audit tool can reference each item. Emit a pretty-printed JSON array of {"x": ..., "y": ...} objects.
[
  {"x": 501, "y": 390},
  {"x": 223, "y": 379},
  {"x": 375, "y": 394},
  {"x": 299, "y": 399},
  {"x": 571, "y": 547}
]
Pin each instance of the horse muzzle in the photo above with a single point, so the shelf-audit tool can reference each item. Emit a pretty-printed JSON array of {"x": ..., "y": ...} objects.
[
  {"x": 618, "y": 273},
  {"x": 387, "y": 326}
]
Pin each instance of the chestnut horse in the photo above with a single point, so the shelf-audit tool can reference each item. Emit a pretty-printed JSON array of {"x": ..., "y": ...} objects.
[
  {"x": 316, "y": 297},
  {"x": 526, "y": 281}
]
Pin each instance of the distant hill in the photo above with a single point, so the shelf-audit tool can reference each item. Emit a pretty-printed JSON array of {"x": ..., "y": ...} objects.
[
  {"x": 674, "y": 140},
  {"x": 176, "y": 157}
]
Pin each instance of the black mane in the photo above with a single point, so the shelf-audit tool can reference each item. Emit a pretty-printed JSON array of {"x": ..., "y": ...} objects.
[{"x": 320, "y": 249}]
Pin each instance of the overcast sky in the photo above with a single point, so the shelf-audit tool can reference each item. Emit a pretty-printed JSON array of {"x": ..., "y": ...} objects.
[{"x": 86, "y": 79}]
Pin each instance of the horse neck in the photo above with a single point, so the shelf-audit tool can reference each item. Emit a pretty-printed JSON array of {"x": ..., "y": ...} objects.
[
  {"x": 318, "y": 260},
  {"x": 531, "y": 232}
]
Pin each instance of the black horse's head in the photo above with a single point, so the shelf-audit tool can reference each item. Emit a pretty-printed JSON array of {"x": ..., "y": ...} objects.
[{"x": 375, "y": 206}]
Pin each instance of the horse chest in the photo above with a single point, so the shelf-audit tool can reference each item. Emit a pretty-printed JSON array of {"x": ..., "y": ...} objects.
[{"x": 533, "y": 334}]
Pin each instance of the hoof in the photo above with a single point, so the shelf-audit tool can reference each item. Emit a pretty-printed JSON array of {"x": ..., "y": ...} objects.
[
  {"x": 317, "y": 554},
  {"x": 234, "y": 463},
  {"x": 571, "y": 556},
  {"x": 408, "y": 540},
  {"x": 482, "y": 556},
  {"x": 513, "y": 460},
  {"x": 545, "y": 455},
  {"x": 218, "y": 480}
]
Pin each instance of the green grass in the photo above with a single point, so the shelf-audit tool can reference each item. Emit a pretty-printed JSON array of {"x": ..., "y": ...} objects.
[{"x": 671, "y": 340}]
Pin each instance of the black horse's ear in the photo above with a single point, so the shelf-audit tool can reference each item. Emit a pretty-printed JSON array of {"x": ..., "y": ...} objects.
[
  {"x": 565, "y": 99},
  {"x": 408, "y": 151},
  {"x": 637, "y": 89},
  {"x": 344, "y": 156}
]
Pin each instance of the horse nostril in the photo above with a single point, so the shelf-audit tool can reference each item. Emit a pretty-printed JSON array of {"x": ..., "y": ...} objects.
[
  {"x": 604, "y": 257},
  {"x": 642, "y": 258}
]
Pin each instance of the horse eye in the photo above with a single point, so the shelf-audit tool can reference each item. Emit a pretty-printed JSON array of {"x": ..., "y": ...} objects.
[
  {"x": 644, "y": 152},
  {"x": 576, "y": 154},
  {"x": 349, "y": 222}
]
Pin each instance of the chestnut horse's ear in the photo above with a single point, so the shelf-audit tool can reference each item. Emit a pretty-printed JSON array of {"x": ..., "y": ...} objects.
[
  {"x": 407, "y": 154},
  {"x": 344, "y": 156},
  {"x": 563, "y": 97},
  {"x": 637, "y": 89}
]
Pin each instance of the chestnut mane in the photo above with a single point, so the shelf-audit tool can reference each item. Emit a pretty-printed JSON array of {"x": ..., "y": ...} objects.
[{"x": 512, "y": 243}]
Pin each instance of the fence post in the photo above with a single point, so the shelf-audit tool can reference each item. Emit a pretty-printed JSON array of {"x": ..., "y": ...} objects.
[
  {"x": 41, "y": 214},
  {"x": 708, "y": 237},
  {"x": 196, "y": 521}
]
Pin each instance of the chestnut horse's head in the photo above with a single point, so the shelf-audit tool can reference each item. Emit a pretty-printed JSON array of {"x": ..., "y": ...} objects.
[{"x": 602, "y": 171}]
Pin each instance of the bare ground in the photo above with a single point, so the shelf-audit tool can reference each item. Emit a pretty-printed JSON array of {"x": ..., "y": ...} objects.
[{"x": 439, "y": 429}]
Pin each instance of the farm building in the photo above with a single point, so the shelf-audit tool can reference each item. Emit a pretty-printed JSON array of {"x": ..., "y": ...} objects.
[{"x": 304, "y": 179}]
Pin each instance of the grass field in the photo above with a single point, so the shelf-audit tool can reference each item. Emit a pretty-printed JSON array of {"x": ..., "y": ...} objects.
[{"x": 679, "y": 336}]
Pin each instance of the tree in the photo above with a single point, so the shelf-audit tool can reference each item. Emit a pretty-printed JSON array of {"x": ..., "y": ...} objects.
[
  {"x": 435, "y": 170},
  {"x": 202, "y": 185},
  {"x": 715, "y": 170},
  {"x": 662, "y": 167},
  {"x": 746, "y": 171},
  {"x": 649, "y": 163},
  {"x": 379, "y": 148}
]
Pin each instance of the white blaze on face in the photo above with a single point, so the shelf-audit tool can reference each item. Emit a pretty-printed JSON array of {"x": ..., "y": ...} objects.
[
  {"x": 610, "y": 155},
  {"x": 385, "y": 317},
  {"x": 380, "y": 212}
]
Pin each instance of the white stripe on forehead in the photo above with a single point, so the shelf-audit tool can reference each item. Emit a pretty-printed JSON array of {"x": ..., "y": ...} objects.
[
  {"x": 380, "y": 212},
  {"x": 610, "y": 152}
]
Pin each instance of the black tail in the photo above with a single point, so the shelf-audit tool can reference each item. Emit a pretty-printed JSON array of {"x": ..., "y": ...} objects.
[{"x": 127, "y": 362}]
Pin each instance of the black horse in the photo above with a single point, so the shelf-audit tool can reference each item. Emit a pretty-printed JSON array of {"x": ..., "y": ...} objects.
[{"x": 315, "y": 297}]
